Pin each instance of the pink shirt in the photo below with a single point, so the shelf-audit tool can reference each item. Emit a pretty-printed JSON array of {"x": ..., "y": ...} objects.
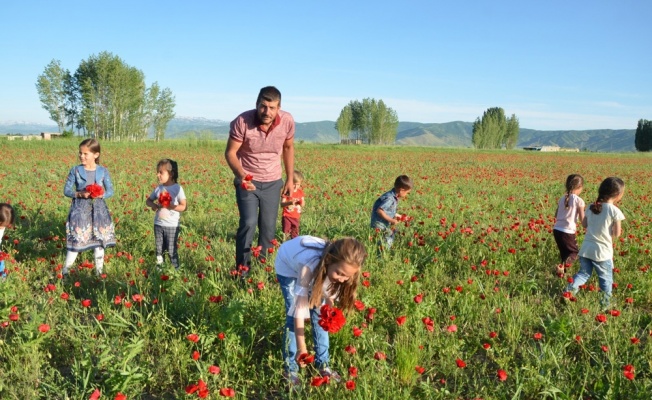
[
  {"x": 260, "y": 153},
  {"x": 567, "y": 217}
]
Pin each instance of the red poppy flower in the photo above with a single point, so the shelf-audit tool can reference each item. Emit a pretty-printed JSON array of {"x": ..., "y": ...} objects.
[
  {"x": 502, "y": 375},
  {"x": 95, "y": 190},
  {"x": 99, "y": 317},
  {"x": 65, "y": 296},
  {"x": 44, "y": 328},
  {"x": 358, "y": 305},
  {"x": 319, "y": 380},
  {"x": 137, "y": 298},
  {"x": 629, "y": 375},
  {"x": 420, "y": 369},
  {"x": 214, "y": 369},
  {"x": 120, "y": 396},
  {"x": 305, "y": 359},
  {"x": 429, "y": 323},
  {"x": 221, "y": 336},
  {"x": 486, "y": 346},
  {"x": 604, "y": 348},
  {"x": 614, "y": 313},
  {"x": 13, "y": 317},
  {"x": 460, "y": 363},
  {"x": 331, "y": 319},
  {"x": 537, "y": 336},
  {"x": 418, "y": 298},
  {"x": 379, "y": 355},
  {"x": 350, "y": 385},
  {"x": 601, "y": 318},
  {"x": 86, "y": 303},
  {"x": 452, "y": 328},
  {"x": 227, "y": 392},
  {"x": 164, "y": 199},
  {"x": 195, "y": 355},
  {"x": 353, "y": 372},
  {"x": 401, "y": 320},
  {"x": 492, "y": 334},
  {"x": 635, "y": 340},
  {"x": 193, "y": 337},
  {"x": 357, "y": 331},
  {"x": 350, "y": 349},
  {"x": 95, "y": 395}
]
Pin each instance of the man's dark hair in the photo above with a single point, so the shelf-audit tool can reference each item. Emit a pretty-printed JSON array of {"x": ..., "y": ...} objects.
[{"x": 269, "y": 93}]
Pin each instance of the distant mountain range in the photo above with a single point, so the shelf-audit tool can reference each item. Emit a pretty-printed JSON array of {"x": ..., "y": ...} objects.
[{"x": 449, "y": 134}]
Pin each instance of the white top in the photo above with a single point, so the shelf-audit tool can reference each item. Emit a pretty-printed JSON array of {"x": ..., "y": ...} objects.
[
  {"x": 2, "y": 233},
  {"x": 567, "y": 217},
  {"x": 291, "y": 258},
  {"x": 598, "y": 244},
  {"x": 165, "y": 217}
]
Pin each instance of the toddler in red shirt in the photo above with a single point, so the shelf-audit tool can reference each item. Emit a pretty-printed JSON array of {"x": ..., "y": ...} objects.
[{"x": 292, "y": 208}]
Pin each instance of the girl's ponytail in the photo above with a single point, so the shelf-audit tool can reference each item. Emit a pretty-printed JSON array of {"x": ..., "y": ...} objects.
[
  {"x": 610, "y": 188},
  {"x": 573, "y": 181}
]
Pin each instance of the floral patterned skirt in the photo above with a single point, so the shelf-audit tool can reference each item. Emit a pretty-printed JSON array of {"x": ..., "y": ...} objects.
[{"x": 89, "y": 225}]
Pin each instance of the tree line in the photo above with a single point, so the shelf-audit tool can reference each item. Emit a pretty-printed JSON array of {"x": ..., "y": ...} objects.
[
  {"x": 371, "y": 120},
  {"x": 105, "y": 98},
  {"x": 643, "y": 136}
]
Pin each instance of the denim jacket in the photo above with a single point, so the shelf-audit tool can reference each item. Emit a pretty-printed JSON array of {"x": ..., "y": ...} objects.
[{"x": 76, "y": 181}]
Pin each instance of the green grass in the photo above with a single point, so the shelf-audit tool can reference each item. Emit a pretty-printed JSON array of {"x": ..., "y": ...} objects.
[{"x": 470, "y": 209}]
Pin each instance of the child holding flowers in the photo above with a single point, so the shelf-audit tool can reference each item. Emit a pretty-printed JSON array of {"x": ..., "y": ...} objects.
[
  {"x": 293, "y": 204},
  {"x": 602, "y": 223},
  {"x": 570, "y": 208},
  {"x": 383, "y": 213},
  {"x": 313, "y": 272},
  {"x": 89, "y": 224},
  {"x": 168, "y": 200},
  {"x": 7, "y": 216}
]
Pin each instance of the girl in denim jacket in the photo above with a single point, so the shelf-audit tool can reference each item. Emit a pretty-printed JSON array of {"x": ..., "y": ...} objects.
[{"x": 89, "y": 224}]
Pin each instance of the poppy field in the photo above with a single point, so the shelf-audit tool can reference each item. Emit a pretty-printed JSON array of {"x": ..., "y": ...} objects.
[{"x": 466, "y": 305}]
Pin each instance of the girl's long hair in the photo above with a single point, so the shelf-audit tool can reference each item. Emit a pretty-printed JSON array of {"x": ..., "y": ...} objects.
[
  {"x": 349, "y": 251},
  {"x": 610, "y": 188},
  {"x": 93, "y": 145},
  {"x": 574, "y": 181}
]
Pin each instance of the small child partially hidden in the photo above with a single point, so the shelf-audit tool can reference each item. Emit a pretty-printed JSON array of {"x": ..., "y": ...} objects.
[{"x": 292, "y": 208}]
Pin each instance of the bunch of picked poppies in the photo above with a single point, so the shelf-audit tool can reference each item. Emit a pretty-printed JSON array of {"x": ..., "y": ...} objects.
[
  {"x": 95, "y": 190},
  {"x": 246, "y": 179},
  {"x": 164, "y": 199}
]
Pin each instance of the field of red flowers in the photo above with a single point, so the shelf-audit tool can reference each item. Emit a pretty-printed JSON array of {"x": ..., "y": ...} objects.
[{"x": 466, "y": 305}]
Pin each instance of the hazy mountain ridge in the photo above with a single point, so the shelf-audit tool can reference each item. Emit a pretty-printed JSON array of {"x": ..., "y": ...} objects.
[{"x": 449, "y": 134}]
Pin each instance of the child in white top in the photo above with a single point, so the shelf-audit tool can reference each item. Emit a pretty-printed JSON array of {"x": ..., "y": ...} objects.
[
  {"x": 602, "y": 223},
  {"x": 312, "y": 272},
  {"x": 7, "y": 216},
  {"x": 570, "y": 209},
  {"x": 168, "y": 200}
]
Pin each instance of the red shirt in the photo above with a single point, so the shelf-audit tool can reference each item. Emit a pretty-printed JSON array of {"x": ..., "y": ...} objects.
[
  {"x": 260, "y": 153},
  {"x": 293, "y": 211}
]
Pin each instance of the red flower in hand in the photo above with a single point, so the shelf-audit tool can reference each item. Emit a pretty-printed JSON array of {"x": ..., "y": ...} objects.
[
  {"x": 331, "y": 319},
  {"x": 95, "y": 190},
  {"x": 305, "y": 359},
  {"x": 246, "y": 179},
  {"x": 164, "y": 199}
]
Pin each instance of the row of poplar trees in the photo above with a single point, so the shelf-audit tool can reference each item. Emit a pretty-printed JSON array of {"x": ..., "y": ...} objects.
[
  {"x": 371, "y": 120},
  {"x": 643, "y": 136},
  {"x": 495, "y": 131},
  {"x": 105, "y": 99}
]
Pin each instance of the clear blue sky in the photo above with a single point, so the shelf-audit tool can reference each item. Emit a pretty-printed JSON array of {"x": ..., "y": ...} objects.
[{"x": 580, "y": 64}]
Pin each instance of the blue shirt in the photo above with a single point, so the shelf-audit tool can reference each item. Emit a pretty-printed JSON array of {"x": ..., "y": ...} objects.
[
  {"x": 76, "y": 181},
  {"x": 388, "y": 202}
]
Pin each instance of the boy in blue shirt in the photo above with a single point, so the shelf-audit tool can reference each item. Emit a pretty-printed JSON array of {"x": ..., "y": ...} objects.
[{"x": 383, "y": 214}]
